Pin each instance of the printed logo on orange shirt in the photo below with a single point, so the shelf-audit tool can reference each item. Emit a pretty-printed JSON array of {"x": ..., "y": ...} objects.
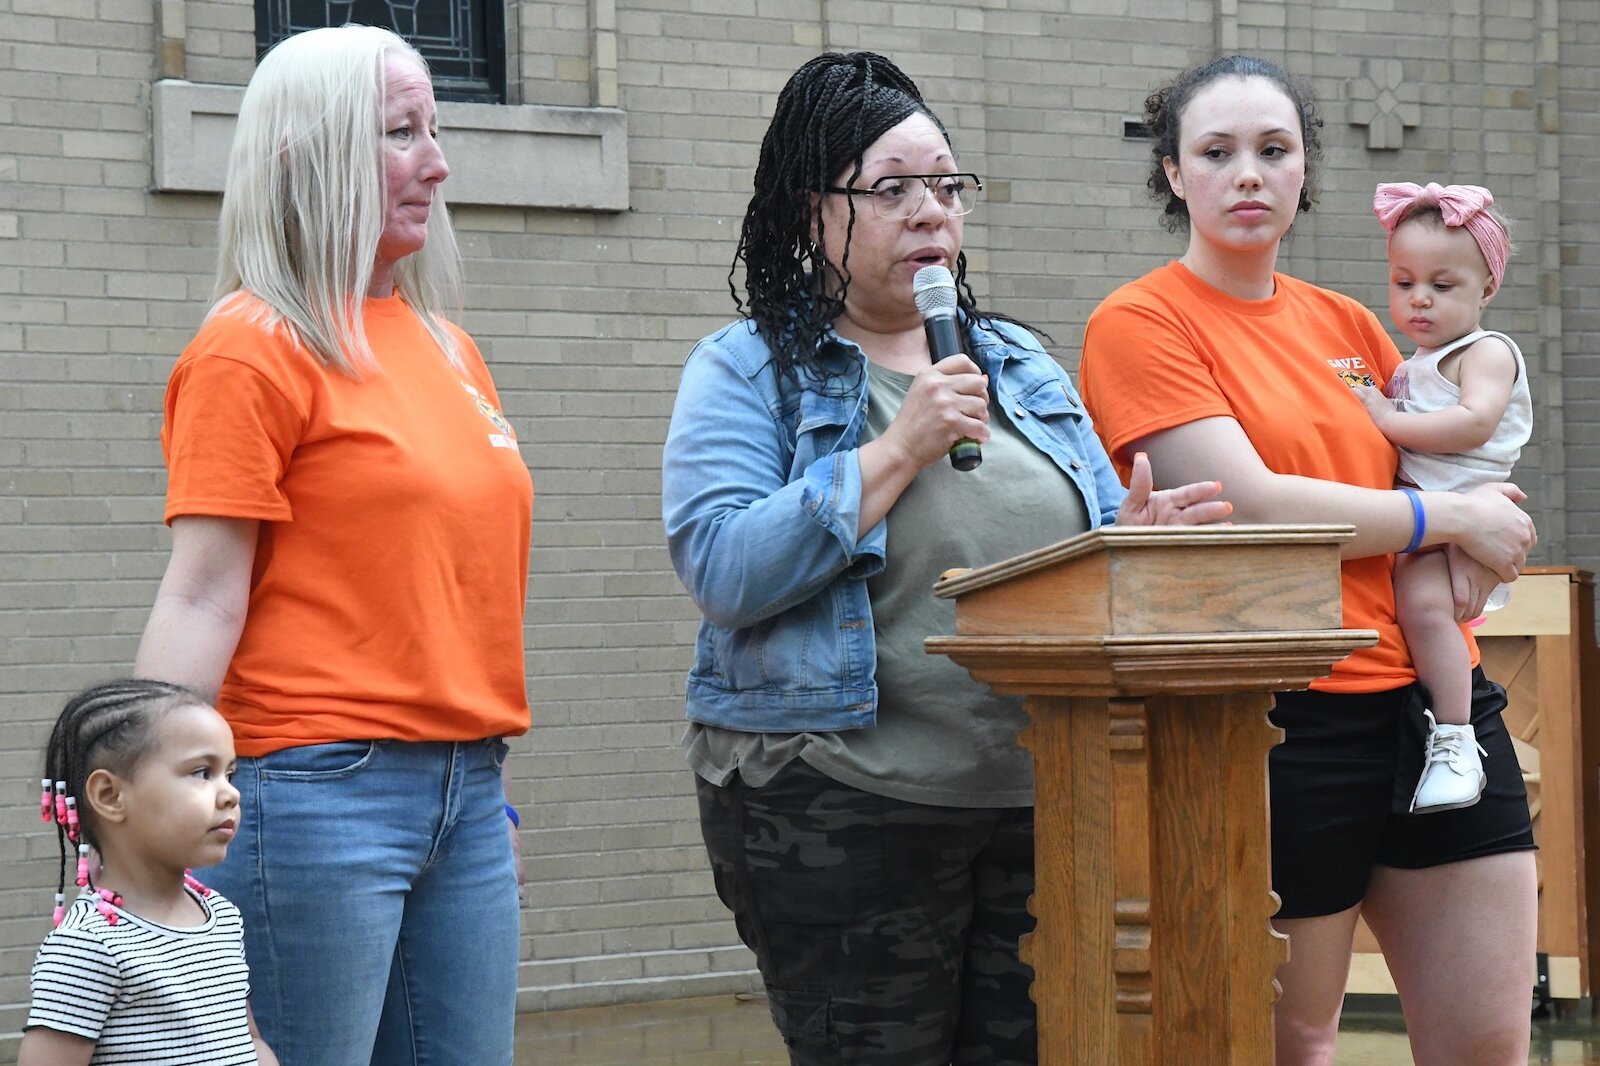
[
  {"x": 1352, "y": 371},
  {"x": 506, "y": 437}
]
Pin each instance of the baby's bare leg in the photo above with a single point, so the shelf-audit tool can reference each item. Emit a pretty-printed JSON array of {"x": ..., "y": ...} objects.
[{"x": 1426, "y": 613}]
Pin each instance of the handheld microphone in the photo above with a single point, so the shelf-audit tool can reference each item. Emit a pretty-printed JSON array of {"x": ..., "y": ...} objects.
[{"x": 934, "y": 290}]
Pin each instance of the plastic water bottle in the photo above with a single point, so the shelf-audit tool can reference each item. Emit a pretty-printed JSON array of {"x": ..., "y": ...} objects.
[{"x": 1497, "y": 599}]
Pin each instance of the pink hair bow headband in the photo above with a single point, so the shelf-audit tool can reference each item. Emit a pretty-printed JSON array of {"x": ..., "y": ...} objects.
[{"x": 1466, "y": 206}]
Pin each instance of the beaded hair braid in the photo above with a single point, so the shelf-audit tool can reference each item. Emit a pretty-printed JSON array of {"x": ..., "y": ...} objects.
[
  {"x": 830, "y": 112},
  {"x": 108, "y": 726}
]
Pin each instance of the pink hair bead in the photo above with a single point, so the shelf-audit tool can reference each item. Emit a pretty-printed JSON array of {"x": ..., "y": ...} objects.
[
  {"x": 61, "y": 803},
  {"x": 190, "y": 880},
  {"x": 44, "y": 800},
  {"x": 83, "y": 865},
  {"x": 72, "y": 819},
  {"x": 106, "y": 905},
  {"x": 60, "y": 911}
]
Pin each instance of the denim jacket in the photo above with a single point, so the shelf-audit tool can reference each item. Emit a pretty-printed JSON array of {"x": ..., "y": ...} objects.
[{"x": 761, "y": 496}]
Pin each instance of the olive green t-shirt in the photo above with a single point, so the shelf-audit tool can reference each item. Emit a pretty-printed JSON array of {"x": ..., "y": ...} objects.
[{"x": 941, "y": 738}]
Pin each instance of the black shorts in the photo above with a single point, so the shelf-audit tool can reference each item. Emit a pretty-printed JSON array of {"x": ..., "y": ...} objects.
[{"x": 1341, "y": 786}]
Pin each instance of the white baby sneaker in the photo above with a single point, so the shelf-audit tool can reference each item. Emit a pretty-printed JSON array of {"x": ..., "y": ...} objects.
[{"x": 1452, "y": 770}]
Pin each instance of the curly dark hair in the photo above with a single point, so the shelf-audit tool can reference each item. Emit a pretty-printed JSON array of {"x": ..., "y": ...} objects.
[
  {"x": 1163, "y": 111},
  {"x": 829, "y": 113}
]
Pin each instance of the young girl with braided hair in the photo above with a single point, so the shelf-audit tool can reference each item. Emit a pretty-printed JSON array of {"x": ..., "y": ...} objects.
[
  {"x": 146, "y": 965},
  {"x": 1459, "y": 410}
]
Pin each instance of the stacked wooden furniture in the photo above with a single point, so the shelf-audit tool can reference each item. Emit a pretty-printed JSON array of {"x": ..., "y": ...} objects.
[
  {"x": 1541, "y": 647},
  {"x": 1146, "y": 657}
]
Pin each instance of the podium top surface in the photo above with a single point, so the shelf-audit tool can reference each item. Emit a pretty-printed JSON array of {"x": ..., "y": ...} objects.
[{"x": 1112, "y": 538}]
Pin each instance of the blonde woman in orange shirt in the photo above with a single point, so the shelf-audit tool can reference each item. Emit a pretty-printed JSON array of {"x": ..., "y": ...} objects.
[{"x": 350, "y": 528}]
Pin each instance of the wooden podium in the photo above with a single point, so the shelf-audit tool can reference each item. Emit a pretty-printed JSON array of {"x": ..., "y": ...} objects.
[{"x": 1147, "y": 656}]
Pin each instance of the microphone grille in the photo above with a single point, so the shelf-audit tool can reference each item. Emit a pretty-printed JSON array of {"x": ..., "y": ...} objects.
[{"x": 934, "y": 290}]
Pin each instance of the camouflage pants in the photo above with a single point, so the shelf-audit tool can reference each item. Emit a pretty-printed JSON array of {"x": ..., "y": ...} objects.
[{"x": 886, "y": 931}]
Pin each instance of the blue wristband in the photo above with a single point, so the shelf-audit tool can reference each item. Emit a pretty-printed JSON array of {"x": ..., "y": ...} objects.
[
  {"x": 1419, "y": 520},
  {"x": 511, "y": 812}
]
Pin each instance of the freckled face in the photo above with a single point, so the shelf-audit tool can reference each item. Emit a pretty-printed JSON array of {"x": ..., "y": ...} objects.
[
  {"x": 1241, "y": 164},
  {"x": 1438, "y": 282},
  {"x": 413, "y": 164}
]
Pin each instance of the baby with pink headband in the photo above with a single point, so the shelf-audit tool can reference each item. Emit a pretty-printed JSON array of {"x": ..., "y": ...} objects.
[{"x": 1460, "y": 411}]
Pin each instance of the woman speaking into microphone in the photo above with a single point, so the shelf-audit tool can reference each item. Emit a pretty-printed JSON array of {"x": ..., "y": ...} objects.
[{"x": 866, "y": 808}]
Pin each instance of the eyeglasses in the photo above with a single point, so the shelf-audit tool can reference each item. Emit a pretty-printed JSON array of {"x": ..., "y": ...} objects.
[{"x": 899, "y": 196}]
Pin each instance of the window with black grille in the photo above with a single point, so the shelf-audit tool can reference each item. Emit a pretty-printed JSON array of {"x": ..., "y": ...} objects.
[{"x": 464, "y": 41}]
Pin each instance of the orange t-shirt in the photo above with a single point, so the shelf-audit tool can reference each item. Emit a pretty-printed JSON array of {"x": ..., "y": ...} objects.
[
  {"x": 391, "y": 568},
  {"x": 1168, "y": 349}
]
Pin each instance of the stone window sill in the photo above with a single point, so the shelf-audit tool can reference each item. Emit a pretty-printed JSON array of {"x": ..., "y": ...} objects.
[{"x": 572, "y": 158}]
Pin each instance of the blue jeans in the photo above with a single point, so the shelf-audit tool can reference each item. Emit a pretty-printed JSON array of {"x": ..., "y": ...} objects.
[{"x": 380, "y": 902}]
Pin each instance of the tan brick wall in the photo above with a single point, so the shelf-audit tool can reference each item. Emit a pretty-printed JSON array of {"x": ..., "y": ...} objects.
[
  {"x": 1578, "y": 285},
  {"x": 586, "y": 319}
]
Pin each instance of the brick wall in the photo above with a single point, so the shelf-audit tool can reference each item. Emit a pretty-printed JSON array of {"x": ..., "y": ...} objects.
[
  {"x": 586, "y": 318},
  {"x": 1578, "y": 251}
]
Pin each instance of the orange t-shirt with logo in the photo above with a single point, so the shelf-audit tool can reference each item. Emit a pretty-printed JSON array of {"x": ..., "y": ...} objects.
[
  {"x": 1168, "y": 349},
  {"x": 391, "y": 568}
]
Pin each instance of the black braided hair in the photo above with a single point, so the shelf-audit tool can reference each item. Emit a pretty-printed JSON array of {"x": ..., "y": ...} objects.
[
  {"x": 1163, "y": 112},
  {"x": 107, "y": 726},
  {"x": 830, "y": 112}
]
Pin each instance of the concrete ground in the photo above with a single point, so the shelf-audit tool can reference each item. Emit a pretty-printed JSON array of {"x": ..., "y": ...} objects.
[{"x": 737, "y": 1031}]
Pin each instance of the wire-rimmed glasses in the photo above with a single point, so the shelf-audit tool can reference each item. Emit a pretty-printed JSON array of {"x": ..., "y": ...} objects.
[{"x": 899, "y": 196}]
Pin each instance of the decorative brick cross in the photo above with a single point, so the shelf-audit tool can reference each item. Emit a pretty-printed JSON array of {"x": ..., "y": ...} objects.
[{"x": 1381, "y": 101}]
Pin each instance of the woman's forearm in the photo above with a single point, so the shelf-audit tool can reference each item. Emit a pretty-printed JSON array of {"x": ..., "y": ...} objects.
[
  {"x": 1217, "y": 449},
  {"x": 886, "y": 472},
  {"x": 1485, "y": 523},
  {"x": 199, "y": 612},
  {"x": 188, "y": 642}
]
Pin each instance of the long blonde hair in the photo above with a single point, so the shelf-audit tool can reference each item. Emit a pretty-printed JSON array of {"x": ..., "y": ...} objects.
[{"x": 302, "y": 206}]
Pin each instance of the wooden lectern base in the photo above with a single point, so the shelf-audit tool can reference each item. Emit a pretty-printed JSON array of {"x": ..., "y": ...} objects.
[
  {"x": 1147, "y": 657},
  {"x": 1162, "y": 823}
]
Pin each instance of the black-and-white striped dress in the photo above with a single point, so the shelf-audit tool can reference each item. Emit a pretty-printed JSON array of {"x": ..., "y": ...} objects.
[{"x": 147, "y": 993}]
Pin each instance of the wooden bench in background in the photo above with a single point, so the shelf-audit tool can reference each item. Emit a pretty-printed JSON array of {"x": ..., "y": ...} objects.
[{"x": 1541, "y": 647}]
